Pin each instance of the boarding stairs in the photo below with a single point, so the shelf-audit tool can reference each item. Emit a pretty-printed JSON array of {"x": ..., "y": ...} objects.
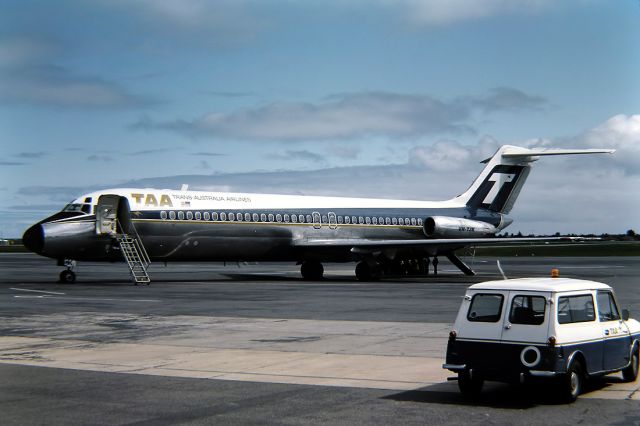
[{"x": 136, "y": 257}]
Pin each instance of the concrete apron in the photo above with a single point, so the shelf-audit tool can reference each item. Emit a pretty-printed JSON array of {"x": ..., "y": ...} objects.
[{"x": 380, "y": 355}]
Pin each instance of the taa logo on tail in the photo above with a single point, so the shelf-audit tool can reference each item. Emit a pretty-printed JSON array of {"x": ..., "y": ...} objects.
[{"x": 498, "y": 179}]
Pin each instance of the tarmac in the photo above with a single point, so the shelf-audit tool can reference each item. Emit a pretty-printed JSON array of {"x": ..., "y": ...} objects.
[{"x": 253, "y": 343}]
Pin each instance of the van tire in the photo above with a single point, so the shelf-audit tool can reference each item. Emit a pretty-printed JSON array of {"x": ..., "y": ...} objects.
[
  {"x": 630, "y": 373},
  {"x": 572, "y": 382},
  {"x": 469, "y": 385}
]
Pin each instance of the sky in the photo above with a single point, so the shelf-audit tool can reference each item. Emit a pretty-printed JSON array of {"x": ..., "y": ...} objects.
[{"x": 381, "y": 98}]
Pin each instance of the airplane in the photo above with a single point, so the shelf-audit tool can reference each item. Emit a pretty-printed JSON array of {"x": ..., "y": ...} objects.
[{"x": 383, "y": 237}]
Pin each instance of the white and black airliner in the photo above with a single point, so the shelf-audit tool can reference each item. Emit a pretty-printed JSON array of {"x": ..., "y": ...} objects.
[{"x": 382, "y": 236}]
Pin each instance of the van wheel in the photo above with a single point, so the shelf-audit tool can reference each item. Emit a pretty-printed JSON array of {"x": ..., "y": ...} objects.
[
  {"x": 469, "y": 385},
  {"x": 571, "y": 383},
  {"x": 630, "y": 374}
]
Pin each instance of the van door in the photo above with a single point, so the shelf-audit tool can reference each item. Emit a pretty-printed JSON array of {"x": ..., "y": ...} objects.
[
  {"x": 615, "y": 334},
  {"x": 527, "y": 318}
]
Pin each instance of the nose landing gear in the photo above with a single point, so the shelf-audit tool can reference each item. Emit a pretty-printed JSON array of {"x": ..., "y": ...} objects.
[{"x": 68, "y": 276}]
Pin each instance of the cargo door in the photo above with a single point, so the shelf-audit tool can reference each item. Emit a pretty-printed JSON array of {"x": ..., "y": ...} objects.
[
  {"x": 527, "y": 318},
  {"x": 481, "y": 316}
]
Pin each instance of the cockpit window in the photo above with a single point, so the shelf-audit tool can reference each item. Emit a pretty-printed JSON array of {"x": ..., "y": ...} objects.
[
  {"x": 72, "y": 208},
  {"x": 84, "y": 208}
]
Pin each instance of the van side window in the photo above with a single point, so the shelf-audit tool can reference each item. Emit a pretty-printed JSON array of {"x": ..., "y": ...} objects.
[
  {"x": 576, "y": 309},
  {"x": 607, "y": 309},
  {"x": 527, "y": 310},
  {"x": 485, "y": 308}
]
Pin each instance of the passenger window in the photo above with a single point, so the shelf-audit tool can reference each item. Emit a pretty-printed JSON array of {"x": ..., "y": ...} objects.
[
  {"x": 247, "y": 217},
  {"x": 347, "y": 219},
  {"x": 270, "y": 217},
  {"x": 308, "y": 217},
  {"x": 576, "y": 309},
  {"x": 607, "y": 309},
  {"x": 413, "y": 221},
  {"x": 286, "y": 218},
  {"x": 340, "y": 220},
  {"x": 354, "y": 219},
  {"x": 294, "y": 218},
  {"x": 360, "y": 219},
  {"x": 214, "y": 216},
  {"x": 189, "y": 215},
  {"x": 485, "y": 308},
  {"x": 401, "y": 221},
  {"x": 324, "y": 218},
  {"x": 181, "y": 215},
  {"x": 163, "y": 215},
  {"x": 301, "y": 218},
  {"x": 172, "y": 215},
  {"x": 232, "y": 217},
  {"x": 207, "y": 216},
  {"x": 375, "y": 220},
  {"x": 278, "y": 217},
  {"x": 198, "y": 215},
  {"x": 367, "y": 220},
  {"x": 239, "y": 217},
  {"x": 394, "y": 221},
  {"x": 263, "y": 217},
  {"x": 527, "y": 310},
  {"x": 255, "y": 217},
  {"x": 223, "y": 216}
]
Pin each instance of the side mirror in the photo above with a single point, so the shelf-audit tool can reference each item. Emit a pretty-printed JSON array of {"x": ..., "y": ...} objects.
[{"x": 625, "y": 314}]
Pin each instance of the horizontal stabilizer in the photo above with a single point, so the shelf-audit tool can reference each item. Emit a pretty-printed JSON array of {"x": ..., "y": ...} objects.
[{"x": 519, "y": 152}]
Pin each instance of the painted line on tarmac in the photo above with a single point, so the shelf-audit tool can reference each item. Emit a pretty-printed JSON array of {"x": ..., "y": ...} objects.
[{"x": 37, "y": 291}]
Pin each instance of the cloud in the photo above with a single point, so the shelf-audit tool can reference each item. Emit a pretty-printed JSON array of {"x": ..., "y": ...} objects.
[
  {"x": 507, "y": 99},
  {"x": 100, "y": 158},
  {"x": 31, "y": 155},
  {"x": 196, "y": 22},
  {"x": 620, "y": 132},
  {"x": 11, "y": 163},
  {"x": 349, "y": 116},
  {"x": 447, "y": 12},
  {"x": 29, "y": 77},
  {"x": 50, "y": 85},
  {"x": 208, "y": 154},
  {"x": 303, "y": 155}
]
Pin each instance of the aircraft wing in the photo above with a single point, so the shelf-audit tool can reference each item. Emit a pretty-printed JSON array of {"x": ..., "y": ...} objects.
[{"x": 457, "y": 242}]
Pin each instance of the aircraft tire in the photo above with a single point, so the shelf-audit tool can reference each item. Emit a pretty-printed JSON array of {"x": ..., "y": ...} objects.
[
  {"x": 364, "y": 272},
  {"x": 67, "y": 277},
  {"x": 311, "y": 270}
]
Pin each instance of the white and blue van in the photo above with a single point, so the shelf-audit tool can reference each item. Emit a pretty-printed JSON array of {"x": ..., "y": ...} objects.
[{"x": 565, "y": 330}]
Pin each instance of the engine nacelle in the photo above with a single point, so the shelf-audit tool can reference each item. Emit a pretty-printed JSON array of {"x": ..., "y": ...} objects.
[{"x": 454, "y": 227}]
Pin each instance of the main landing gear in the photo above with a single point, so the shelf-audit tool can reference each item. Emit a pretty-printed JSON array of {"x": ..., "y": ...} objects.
[
  {"x": 67, "y": 276},
  {"x": 312, "y": 270}
]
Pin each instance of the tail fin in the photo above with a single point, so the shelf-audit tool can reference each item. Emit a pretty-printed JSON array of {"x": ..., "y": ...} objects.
[{"x": 500, "y": 182}]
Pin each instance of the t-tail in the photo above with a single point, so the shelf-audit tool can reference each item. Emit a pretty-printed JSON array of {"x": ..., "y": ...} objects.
[{"x": 498, "y": 186}]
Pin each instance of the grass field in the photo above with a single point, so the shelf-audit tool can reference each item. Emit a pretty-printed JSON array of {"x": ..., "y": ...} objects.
[{"x": 587, "y": 248}]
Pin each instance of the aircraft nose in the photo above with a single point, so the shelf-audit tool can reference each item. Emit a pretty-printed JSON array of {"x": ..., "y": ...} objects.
[{"x": 33, "y": 239}]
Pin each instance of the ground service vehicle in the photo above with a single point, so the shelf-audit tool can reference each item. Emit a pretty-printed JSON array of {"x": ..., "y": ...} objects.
[{"x": 563, "y": 330}]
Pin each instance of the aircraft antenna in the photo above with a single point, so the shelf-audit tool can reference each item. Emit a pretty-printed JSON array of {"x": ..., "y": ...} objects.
[{"x": 504, "y": 277}]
